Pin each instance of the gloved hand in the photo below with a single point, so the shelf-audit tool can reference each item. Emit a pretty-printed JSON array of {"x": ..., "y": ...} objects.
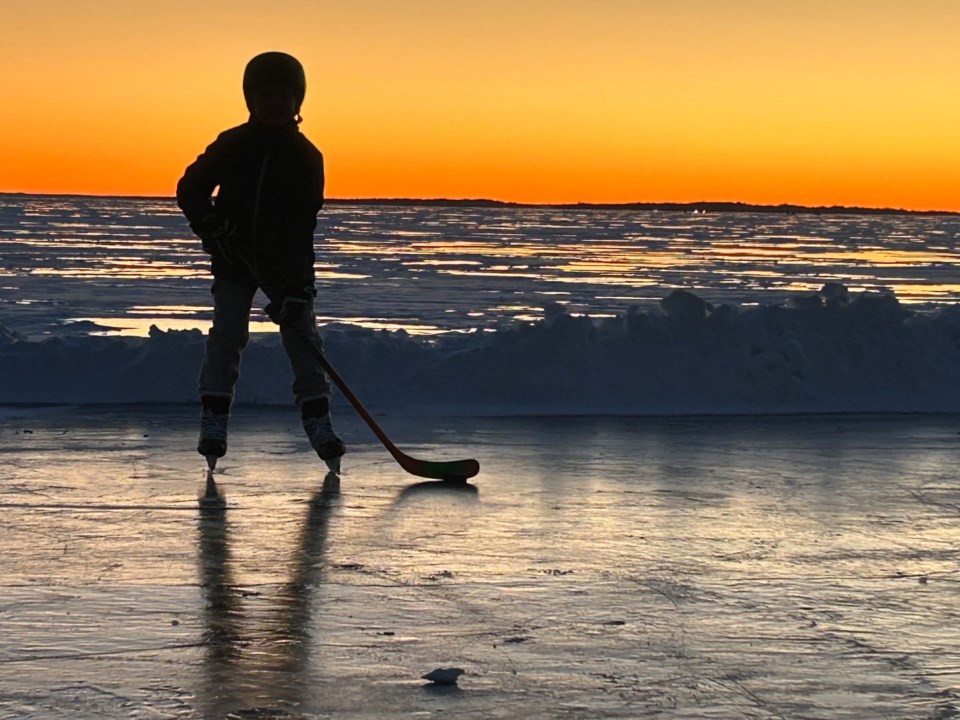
[
  {"x": 291, "y": 309},
  {"x": 215, "y": 232}
]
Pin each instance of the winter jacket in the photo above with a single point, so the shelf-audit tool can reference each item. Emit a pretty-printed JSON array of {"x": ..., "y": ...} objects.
[{"x": 270, "y": 189}]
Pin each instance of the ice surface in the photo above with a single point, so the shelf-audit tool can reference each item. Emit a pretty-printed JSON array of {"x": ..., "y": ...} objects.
[{"x": 800, "y": 567}]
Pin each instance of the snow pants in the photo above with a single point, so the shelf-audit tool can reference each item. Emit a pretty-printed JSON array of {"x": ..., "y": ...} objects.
[{"x": 228, "y": 337}]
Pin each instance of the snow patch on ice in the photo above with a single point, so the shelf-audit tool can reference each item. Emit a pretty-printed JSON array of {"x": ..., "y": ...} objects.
[{"x": 825, "y": 352}]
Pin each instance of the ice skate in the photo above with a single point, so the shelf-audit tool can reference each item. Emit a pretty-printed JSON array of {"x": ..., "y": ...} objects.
[
  {"x": 213, "y": 432},
  {"x": 325, "y": 441}
]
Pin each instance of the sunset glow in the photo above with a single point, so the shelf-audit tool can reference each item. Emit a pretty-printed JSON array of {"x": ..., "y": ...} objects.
[{"x": 810, "y": 102}]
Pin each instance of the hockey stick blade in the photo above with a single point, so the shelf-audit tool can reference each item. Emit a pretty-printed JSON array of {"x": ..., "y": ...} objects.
[{"x": 450, "y": 470}]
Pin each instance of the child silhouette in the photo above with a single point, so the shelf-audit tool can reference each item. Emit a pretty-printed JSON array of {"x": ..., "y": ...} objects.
[{"x": 258, "y": 231}]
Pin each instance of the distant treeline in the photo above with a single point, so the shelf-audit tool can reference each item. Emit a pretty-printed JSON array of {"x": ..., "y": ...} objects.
[{"x": 689, "y": 207}]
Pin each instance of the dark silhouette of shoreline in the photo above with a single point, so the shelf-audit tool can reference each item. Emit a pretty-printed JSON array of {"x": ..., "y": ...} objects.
[
  {"x": 687, "y": 207},
  {"x": 682, "y": 207}
]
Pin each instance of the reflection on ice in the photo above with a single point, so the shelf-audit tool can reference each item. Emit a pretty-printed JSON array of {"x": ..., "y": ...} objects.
[
  {"x": 130, "y": 270},
  {"x": 252, "y": 659},
  {"x": 167, "y": 309},
  {"x": 437, "y": 488},
  {"x": 140, "y": 327},
  {"x": 607, "y": 567},
  {"x": 383, "y": 324},
  {"x": 167, "y": 320}
]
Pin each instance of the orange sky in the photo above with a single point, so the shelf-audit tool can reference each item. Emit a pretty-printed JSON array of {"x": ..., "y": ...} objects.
[{"x": 848, "y": 102}]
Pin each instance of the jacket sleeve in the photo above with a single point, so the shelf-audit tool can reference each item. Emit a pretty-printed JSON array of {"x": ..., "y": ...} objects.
[
  {"x": 320, "y": 181},
  {"x": 199, "y": 180}
]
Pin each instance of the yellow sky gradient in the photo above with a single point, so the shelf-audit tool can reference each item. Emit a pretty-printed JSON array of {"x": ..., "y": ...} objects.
[{"x": 842, "y": 102}]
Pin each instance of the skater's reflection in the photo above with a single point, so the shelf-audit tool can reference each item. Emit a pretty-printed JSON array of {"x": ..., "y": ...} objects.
[
  {"x": 222, "y": 611},
  {"x": 259, "y": 663}
]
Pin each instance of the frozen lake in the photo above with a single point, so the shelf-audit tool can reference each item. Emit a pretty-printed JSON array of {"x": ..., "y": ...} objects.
[
  {"x": 609, "y": 561},
  {"x": 503, "y": 310},
  {"x": 116, "y": 266},
  {"x": 802, "y": 567}
]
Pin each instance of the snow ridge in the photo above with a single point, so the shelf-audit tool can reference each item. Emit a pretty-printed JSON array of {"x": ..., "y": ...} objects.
[{"x": 825, "y": 352}]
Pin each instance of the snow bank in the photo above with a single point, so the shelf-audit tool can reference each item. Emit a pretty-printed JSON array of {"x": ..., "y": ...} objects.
[{"x": 826, "y": 352}]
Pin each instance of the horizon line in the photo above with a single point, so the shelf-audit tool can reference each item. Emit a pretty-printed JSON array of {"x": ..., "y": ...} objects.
[{"x": 707, "y": 205}]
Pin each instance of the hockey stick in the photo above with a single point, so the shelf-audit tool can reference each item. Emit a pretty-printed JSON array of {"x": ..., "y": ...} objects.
[{"x": 454, "y": 470}]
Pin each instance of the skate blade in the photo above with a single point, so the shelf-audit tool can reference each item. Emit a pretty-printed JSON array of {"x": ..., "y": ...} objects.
[{"x": 333, "y": 464}]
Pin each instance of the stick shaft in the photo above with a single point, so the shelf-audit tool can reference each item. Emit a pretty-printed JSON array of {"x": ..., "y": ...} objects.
[
  {"x": 358, "y": 406},
  {"x": 449, "y": 470}
]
